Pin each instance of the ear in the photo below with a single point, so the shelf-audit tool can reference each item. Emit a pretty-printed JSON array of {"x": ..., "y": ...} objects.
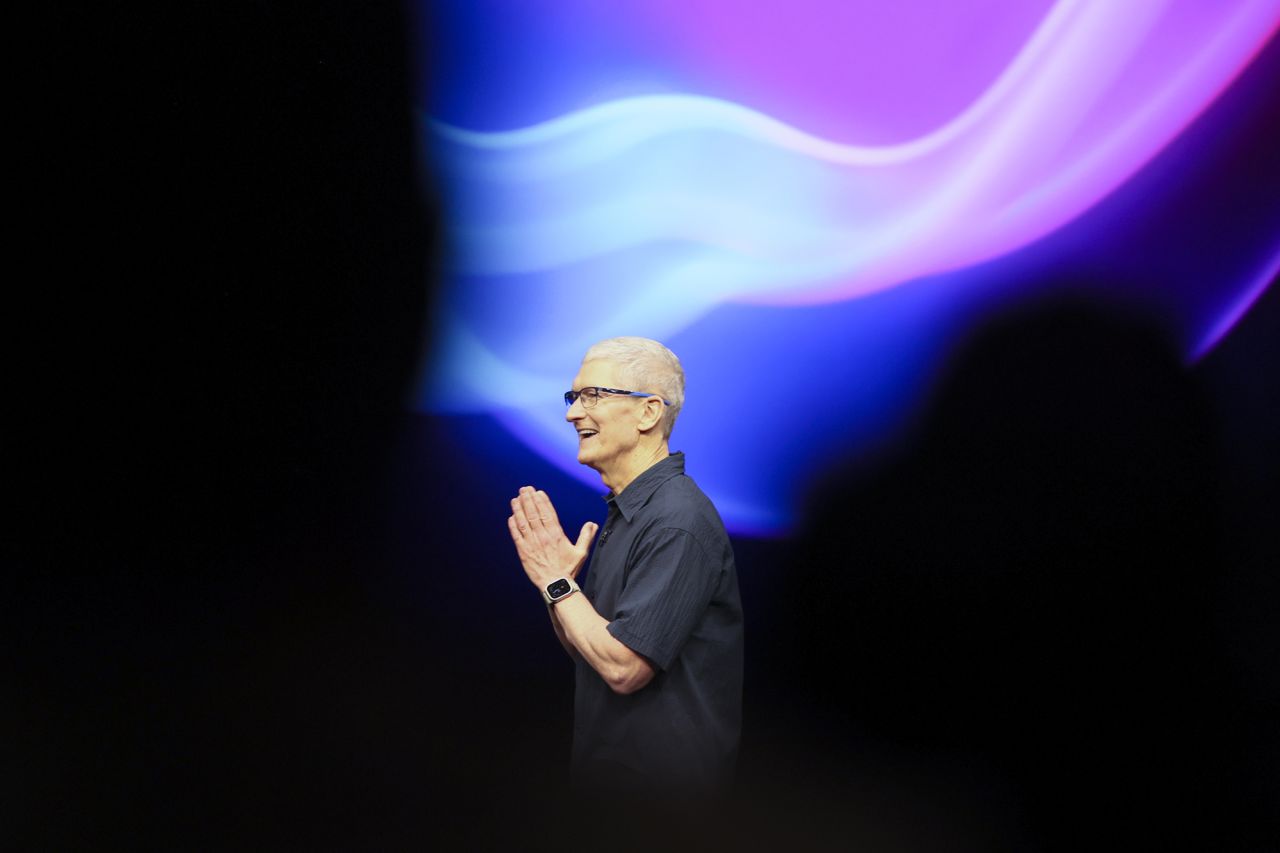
[{"x": 651, "y": 415}]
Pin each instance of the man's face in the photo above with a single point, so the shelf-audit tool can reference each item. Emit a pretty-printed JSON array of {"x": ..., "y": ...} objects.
[{"x": 607, "y": 431}]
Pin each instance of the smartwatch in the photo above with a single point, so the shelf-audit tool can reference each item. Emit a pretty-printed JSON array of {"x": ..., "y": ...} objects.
[{"x": 558, "y": 589}]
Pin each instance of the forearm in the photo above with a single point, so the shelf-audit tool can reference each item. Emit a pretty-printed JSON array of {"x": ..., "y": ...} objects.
[
  {"x": 561, "y": 636},
  {"x": 587, "y": 633}
]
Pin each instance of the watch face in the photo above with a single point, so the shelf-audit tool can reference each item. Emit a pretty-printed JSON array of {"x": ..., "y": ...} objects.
[{"x": 558, "y": 589}]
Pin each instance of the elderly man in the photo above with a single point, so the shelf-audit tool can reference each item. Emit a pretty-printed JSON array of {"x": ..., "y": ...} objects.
[{"x": 656, "y": 629}]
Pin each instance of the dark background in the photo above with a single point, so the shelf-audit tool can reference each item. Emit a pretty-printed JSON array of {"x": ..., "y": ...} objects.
[{"x": 256, "y": 601}]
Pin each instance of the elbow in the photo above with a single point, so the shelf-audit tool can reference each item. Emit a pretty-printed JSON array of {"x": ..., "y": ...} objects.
[
  {"x": 622, "y": 685},
  {"x": 625, "y": 680}
]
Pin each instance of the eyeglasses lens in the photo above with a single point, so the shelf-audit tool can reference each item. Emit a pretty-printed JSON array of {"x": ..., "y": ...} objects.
[{"x": 587, "y": 396}]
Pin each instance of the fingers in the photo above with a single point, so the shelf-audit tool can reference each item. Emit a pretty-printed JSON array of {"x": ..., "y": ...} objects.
[
  {"x": 538, "y": 510},
  {"x": 518, "y": 514},
  {"x": 533, "y": 512},
  {"x": 588, "y": 533},
  {"x": 546, "y": 510},
  {"x": 533, "y": 515}
]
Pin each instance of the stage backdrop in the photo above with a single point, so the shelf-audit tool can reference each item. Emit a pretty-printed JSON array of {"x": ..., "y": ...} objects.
[{"x": 810, "y": 202}]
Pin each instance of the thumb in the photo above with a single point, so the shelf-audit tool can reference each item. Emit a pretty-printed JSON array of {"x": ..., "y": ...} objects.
[{"x": 584, "y": 538}]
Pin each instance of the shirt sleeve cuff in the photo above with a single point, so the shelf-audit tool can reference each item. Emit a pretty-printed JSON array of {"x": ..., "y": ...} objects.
[{"x": 652, "y": 651}]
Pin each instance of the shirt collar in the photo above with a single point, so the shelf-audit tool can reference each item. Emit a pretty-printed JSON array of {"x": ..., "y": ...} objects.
[{"x": 638, "y": 492}]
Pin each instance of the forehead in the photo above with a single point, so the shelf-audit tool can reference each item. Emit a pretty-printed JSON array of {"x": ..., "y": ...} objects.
[{"x": 600, "y": 372}]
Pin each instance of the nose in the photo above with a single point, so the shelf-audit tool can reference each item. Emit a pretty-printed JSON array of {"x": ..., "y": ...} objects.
[{"x": 576, "y": 412}]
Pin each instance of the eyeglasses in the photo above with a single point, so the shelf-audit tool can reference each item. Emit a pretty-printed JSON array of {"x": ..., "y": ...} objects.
[{"x": 592, "y": 393}]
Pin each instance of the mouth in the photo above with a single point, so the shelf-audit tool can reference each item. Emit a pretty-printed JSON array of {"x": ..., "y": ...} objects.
[{"x": 584, "y": 434}]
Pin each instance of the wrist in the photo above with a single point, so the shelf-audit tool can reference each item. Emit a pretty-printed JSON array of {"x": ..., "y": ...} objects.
[
  {"x": 541, "y": 579},
  {"x": 558, "y": 589}
]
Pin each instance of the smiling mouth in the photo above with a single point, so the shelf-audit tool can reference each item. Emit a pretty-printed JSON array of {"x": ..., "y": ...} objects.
[{"x": 585, "y": 434}]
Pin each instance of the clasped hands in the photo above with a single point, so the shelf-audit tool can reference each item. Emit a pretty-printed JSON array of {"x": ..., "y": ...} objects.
[{"x": 545, "y": 552}]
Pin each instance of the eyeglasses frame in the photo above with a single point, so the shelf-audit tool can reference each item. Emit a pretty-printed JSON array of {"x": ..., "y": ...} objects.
[{"x": 570, "y": 397}]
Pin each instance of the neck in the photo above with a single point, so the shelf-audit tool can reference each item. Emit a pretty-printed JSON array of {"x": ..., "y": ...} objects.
[{"x": 636, "y": 463}]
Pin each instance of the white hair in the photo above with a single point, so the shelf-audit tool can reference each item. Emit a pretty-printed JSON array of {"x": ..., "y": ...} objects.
[{"x": 646, "y": 365}]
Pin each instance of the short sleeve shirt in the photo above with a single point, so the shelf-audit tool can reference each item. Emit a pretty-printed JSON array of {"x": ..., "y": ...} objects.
[{"x": 662, "y": 574}]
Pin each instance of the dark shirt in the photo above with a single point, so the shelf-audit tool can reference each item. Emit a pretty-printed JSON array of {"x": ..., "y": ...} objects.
[{"x": 662, "y": 573}]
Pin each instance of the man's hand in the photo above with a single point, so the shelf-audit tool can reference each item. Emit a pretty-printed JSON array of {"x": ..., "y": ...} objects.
[{"x": 545, "y": 552}]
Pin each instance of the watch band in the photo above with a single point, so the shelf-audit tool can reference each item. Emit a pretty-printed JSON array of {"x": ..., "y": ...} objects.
[{"x": 558, "y": 589}]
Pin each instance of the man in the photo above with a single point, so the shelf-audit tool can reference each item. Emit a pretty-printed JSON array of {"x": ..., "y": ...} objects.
[{"x": 656, "y": 629}]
